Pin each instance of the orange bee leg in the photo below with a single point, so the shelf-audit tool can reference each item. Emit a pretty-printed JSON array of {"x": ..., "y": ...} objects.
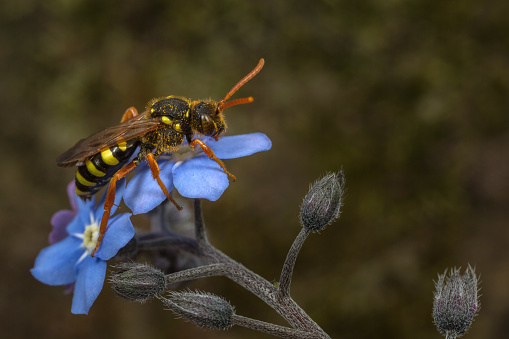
[
  {"x": 210, "y": 153},
  {"x": 129, "y": 113},
  {"x": 154, "y": 168},
  {"x": 110, "y": 200}
]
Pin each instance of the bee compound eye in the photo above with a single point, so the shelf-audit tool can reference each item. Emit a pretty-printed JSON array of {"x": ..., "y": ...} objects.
[{"x": 208, "y": 127}]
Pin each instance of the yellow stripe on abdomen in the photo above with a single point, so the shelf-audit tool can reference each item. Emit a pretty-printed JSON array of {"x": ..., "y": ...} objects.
[
  {"x": 93, "y": 170},
  {"x": 108, "y": 157},
  {"x": 80, "y": 192},
  {"x": 84, "y": 181},
  {"x": 122, "y": 145}
]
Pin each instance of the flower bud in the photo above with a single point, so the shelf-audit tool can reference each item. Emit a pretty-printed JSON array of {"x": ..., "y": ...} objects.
[
  {"x": 322, "y": 203},
  {"x": 137, "y": 282},
  {"x": 456, "y": 302},
  {"x": 204, "y": 309}
]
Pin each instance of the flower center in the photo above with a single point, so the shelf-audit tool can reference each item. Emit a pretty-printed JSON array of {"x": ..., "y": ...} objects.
[{"x": 90, "y": 236}]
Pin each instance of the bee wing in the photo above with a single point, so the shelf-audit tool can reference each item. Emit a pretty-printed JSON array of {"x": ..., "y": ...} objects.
[{"x": 129, "y": 129}]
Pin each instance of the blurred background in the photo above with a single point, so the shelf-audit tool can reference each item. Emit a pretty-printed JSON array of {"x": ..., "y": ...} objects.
[{"x": 410, "y": 98}]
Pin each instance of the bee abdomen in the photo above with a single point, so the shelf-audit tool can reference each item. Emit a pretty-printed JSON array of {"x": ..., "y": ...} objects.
[{"x": 98, "y": 169}]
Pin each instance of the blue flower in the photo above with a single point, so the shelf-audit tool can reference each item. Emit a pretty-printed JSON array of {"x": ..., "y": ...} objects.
[
  {"x": 62, "y": 218},
  {"x": 68, "y": 260},
  {"x": 191, "y": 171}
]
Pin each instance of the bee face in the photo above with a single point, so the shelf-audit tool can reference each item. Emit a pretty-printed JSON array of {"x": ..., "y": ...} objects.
[{"x": 208, "y": 119}]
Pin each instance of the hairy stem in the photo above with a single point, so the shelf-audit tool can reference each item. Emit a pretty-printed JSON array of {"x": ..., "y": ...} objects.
[
  {"x": 291, "y": 258},
  {"x": 254, "y": 283},
  {"x": 199, "y": 225},
  {"x": 275, "y": 330},
  {"x": 212, "y": 270}
]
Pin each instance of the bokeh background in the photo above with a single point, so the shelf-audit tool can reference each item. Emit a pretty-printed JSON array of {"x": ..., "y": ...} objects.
[{"x": 410, "y": 98}]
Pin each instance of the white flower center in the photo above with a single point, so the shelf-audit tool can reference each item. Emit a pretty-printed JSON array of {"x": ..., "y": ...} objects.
[{"x": 91, "y": 235}]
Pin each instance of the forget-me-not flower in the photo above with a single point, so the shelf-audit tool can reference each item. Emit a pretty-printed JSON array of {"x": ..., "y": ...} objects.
[
  {"x": 68, "y": 260},
  {"x": 191, "y": 172},
  {"x": 62, "y": 218}
]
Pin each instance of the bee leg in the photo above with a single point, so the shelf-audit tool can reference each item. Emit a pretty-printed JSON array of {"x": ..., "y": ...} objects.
[
  {"x": 110, "y": 200},
  {"x": 129, "y": 113},
  {"x": 154, "y": 168},
  {"x": 210, "y": 153}
]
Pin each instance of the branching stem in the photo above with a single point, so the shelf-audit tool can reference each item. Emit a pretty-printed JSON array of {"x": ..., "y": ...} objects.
[
  {"x": 216, "y": 263},
  {"x": 263, "y": 289},
  {"x": 275, "y": 330}
]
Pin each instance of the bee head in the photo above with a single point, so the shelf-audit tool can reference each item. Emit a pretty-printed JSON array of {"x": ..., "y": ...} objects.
[{"x": 207, "y": 118}]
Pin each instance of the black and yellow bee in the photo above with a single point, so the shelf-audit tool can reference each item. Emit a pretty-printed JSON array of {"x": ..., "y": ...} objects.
[{"x": 103, "y": 157}]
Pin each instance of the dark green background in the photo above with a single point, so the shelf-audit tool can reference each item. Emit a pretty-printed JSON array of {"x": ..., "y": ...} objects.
[{"x": 409, "y": 97}]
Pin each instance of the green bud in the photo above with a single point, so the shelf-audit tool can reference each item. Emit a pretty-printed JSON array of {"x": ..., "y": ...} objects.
[
  {"x": 204, "y": 309},
  {"x": 321, "y": 206},
  {"x": 137, "y": 282},
  {"x": 456, "y": 302}
]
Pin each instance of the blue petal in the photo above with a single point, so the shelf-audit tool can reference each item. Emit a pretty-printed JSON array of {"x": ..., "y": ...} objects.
[
  {"x": 237, "y": 146},
  {"x": 71, "y": 194},
  {"x": 59, "y": 221},
  {"x": 82, "y": 219},
  {"x": 55, "y": 264},
  {"x": 119, "y": 232},
  {"x": 200, "y": 177},
  {"x": 119, "y": 192},
  {"x": 91, "y": 273},
  {"x": 143, "y": 193}
]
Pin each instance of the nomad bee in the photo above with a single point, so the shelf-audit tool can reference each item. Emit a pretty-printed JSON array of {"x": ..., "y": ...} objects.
[{"x": 103, "y": 157}]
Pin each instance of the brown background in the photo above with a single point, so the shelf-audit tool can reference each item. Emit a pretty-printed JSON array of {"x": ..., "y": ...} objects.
[{"x": 409, "y": 97}]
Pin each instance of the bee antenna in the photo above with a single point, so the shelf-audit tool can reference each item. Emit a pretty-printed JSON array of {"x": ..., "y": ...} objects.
[{"x": 223, "y": 104}]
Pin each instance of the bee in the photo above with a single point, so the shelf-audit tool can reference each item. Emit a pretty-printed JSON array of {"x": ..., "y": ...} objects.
[{"x": 105, "y": 157}]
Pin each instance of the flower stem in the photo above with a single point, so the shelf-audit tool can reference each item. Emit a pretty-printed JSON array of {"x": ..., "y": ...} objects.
[
  {"x": 212, "y": 270},
  {"x": 266, "y": 291},
  {"x": 275, "y": 330},
  {"x": 199, "y": 225},
  {"x": 291, "y": 258}
]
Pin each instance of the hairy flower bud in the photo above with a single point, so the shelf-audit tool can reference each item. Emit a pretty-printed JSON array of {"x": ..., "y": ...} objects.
[
  {"x": 204, "y": 309},
  {"x": 137, "y": 282},
  {"x": 322, "y": 203},
  {"x": 456, "y": 302}
]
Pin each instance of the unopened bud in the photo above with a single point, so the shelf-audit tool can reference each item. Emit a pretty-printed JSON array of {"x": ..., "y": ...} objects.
[
  {"x": 137, "y": 282},
  {"x": 322, "y": 203},
  {"x": 204, "y": 309},
  {"x": 456, "y": 302}
]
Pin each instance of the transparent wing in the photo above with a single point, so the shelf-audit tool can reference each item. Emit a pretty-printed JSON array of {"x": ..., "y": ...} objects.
[{"x": 129, "y": 129}]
